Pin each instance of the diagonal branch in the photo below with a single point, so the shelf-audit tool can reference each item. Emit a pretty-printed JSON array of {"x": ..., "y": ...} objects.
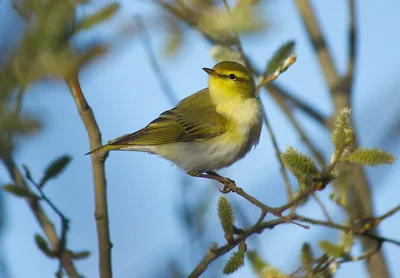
[
  {"x": 99, "y": 176},
  {"x": 214, "y": 253},
  {"x": 302, "y": 106},
  {"x": 164, "y": 84},
  {"x": 64, "y": 226},
  {"x": 47, "y": 226},
  {"x": 348, "y": 80},
  {"x": 319, "y": 43}
]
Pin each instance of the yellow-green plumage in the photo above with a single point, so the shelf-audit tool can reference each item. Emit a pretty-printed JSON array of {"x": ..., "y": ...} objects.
[{"x": 208, "y": 130}]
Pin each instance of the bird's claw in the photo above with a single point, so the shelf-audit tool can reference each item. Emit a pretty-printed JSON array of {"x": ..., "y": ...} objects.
[{"x": 225, "y": 190}]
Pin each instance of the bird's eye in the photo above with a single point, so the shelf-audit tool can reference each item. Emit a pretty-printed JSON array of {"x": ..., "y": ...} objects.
[{"x": 232, "y": 76}]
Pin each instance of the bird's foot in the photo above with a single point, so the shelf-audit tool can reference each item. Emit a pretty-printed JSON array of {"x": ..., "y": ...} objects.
[{"x": 229, "y": 185}]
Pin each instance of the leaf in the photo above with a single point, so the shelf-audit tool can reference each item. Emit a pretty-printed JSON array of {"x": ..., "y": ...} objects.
[
  {"x": 55, "y": 168},
  {"x": 280, "y": 58},
  {"x": 28, "y": 174},
  {"x": 307, "y": 257},
  {"x": 342, "y": 132},
  {"x": 99, "y": 17},
  {"x": 346, "y": 241},
  {"x": 299, "y": 165},
  {"x": 80, "y": 255},
  {"x": 235, "y": 262},
  {"x": 331, "y": 249},
  {"x": 257, "y": 263},
  {"x": 226, "y": 216},
  {"x": 41, "y": 243},
  {"x": 370, "y": 157},
  {"x": 18, "y": 191}
]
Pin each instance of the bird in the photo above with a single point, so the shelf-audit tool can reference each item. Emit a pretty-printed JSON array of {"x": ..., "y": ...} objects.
[{"x": 206, "y": 131}]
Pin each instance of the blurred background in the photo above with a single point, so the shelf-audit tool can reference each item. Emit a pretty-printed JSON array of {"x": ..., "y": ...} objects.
[{"x": 162, "y": 221}]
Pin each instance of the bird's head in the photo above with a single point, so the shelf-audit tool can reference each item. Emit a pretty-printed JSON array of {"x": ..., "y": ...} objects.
[{"x": 231, "y": 79}]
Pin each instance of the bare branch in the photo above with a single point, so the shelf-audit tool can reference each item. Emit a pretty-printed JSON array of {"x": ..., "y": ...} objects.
[
  {"x": 302, "y": 106},
  {"x": 351, "y": 59},
  {"x": 99, "y": 176},
  {"x": 319, "y": 43},
  {"x": 214, "y": 252},
  {"x": 64, "y": 226},
  {"x": 164, "y": 84},
  {"x": 42, "y": 218}
]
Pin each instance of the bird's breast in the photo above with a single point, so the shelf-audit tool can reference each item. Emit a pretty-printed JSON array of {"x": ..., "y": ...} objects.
[{"x": 241, "y": 115}]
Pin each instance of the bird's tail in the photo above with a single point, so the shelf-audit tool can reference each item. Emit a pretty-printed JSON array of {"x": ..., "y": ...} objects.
[{"x": 104, "y": 148}]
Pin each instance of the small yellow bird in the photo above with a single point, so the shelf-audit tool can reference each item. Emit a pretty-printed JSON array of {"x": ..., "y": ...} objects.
[{"x": 206, "y": 131}]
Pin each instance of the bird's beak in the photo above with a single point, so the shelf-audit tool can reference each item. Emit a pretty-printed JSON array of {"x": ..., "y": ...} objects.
[{"x": 209, "y": 71}]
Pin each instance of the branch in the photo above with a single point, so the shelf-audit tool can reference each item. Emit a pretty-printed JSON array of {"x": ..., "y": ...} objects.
[
  {"x": 278, "y": 155},
  {"x": 99, "y": 176},
  {"x": 64, "y": 227},
  {"x": 361, "y": 232},
  {"x": 213, "y": 253},
  {"x": 319, "y": 43},
  {"x": 351, "y": 59},
  {"x": 44, "y": 222},
  {"x": 164, "y": 84},
  {"x": 277, "y": 96},
  {"x": 304, "y": 107}
]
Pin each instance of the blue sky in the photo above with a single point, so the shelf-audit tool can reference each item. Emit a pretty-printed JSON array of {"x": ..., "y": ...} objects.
[{"x": 144, "y": 190}]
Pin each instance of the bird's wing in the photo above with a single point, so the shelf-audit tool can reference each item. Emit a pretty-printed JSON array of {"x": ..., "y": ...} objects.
[{"x": 194, "y": 119}]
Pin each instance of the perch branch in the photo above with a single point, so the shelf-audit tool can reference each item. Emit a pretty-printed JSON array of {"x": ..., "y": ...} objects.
[{"x": 213, "y": 253}]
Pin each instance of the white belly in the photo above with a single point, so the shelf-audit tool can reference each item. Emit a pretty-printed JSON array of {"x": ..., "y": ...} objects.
[
  {"x": 201, "y": 156},
  {"x": 212, "y": 154}
]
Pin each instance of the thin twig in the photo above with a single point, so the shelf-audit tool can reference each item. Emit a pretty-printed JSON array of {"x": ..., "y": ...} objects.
[
  {"x": 214, "y": 252},
  {"x": 99, "y": 176},
  {"x": 361, "y": 232},
  {"x": 389, "y": 213},
  {"x": 164, "y": 84},
  {"x": 42, "y": 218},
  {"x": 352, "y": 41},
  {"x": 322, "y": 206},
  {"x": 64, "y": 227},
  {"x": 319, "y": 43},
  {"x": 302, "y": 106},
  {"x": 365, "y": 256},
  {"x": 19, "y": 102},
  {"x": 288, "y": 187}
]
